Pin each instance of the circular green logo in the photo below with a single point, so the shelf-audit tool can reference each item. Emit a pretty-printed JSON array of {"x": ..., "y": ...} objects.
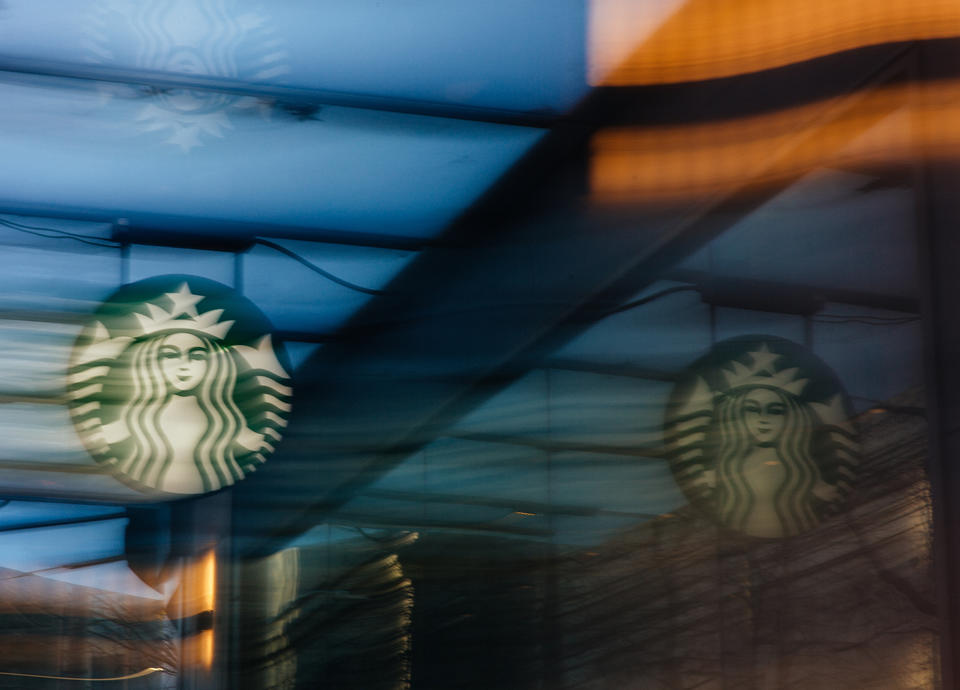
[
  {"x": 178, "y": 385},
  {"x": 758, "y": 433}
]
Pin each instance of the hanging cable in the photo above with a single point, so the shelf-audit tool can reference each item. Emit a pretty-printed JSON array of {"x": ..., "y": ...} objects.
[
  {"x": 316, "y": 269},
  {"x": 94, "y": 241},
  {"x": 650, "y": 298},
  {"x": 54, "y": 234}
]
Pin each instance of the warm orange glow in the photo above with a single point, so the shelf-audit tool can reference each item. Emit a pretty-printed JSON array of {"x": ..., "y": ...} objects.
[
  {"x": 197, "y": 650},
  {"x": 199, "y": 593},
  {"x": 886, "y": 126},
  {"x": 209, "y": 580},
  {"x": 205, "y": 645},
  {"x": 208, "y": 577},
  {"x": 707, "y": 39},
  {"x": 200, "y": 585}
]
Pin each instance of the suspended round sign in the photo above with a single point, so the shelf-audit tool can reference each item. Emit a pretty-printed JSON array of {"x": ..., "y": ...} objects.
[
  {"x": 758, "y": 434},
  {"x": 177, "y": 385}
]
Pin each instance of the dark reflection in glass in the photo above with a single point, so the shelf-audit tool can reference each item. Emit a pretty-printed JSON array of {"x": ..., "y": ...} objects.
[
  {"x": 503, "y": 462},
  {"x": 69, "y": 605}
]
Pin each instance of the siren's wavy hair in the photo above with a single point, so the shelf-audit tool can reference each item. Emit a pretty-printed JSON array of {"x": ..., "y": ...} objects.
[
  {"x": 152, "y": 454},
  {"x": 792, "y": 500}
]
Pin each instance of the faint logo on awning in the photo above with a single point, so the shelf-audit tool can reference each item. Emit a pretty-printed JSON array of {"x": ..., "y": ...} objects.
[
  {"x": 185, "y": 38},
  {"x": 758, "y": 433},
  {"x": 177, "y": 385}
]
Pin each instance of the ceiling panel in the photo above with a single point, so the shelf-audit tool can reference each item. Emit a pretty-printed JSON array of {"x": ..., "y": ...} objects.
[
  {"x": 70, "y": 147},
  {"x": 500, "y": 55}
]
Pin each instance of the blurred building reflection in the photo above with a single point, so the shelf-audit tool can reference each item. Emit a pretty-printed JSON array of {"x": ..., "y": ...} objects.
[{"x": 497, "y": 243}]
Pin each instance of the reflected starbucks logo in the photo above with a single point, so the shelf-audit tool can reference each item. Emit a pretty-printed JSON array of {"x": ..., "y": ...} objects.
[
  {"x": 758, "y": 433},
  {"x": 177, "y": 384},
  {"x": 218, "y": 38}
]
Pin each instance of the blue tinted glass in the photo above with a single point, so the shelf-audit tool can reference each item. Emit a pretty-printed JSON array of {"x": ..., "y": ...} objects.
[
  {"x": 296, "y": 298},
  {"x": 76, "y": 148},
  {"x": 52, "y": 547},
  {"x": 146, "y": 262},
  {"x": 26, "y": 513},
  {"x": 505, "y": 54}
]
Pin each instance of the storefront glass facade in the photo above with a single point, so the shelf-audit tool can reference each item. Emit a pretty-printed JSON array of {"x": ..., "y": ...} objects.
[{"x": 594, "y": 345}]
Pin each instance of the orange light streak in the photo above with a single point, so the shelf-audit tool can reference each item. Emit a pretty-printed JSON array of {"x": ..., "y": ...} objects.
[
  {"x": 708, "y": 39},
  {"x": 205, "y": 644},
  {"x": 208, "y": 596},
  {"x": 651, "y": 164},
  {"x": 209, "y": 566},
  {"x": 200, "y": 595}
]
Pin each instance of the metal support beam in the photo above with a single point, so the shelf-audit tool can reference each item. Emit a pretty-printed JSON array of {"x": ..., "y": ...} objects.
[{"x": 297, "y": 101}]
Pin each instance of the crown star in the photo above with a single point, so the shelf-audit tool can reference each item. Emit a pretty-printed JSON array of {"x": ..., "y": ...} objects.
[
  {"x": 761, "y": 373},
  {"x": 183, "y": 317},
  {"x": 184, "y": 301},
  {"x": 763, "y": 359}
]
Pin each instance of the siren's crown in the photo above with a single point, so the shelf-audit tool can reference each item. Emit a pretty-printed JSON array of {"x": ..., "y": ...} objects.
[
  {"x": 183, "y": 316},
  {"x": 761, "y": 373}
]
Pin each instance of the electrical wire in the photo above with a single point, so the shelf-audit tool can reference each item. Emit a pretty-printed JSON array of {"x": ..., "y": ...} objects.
[
  {"x": 54, "y": 234},
  {"x": 316, "y": 269},
  {"x": 93, "y": 240},
  {"x": 650, "y": 298},
  {"x": 866, "y": 319}
]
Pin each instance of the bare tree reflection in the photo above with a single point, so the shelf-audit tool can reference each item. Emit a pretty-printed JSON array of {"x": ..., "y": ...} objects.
[{"x": 682, "y": 604}]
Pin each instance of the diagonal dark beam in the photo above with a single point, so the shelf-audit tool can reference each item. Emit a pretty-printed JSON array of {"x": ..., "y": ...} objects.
[{"x": 530, "y": 266}]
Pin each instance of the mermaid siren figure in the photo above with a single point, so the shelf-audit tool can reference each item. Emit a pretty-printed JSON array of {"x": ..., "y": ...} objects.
[
  {"x": 763, "y": 458},
  {"x": 169, "y": 404}
]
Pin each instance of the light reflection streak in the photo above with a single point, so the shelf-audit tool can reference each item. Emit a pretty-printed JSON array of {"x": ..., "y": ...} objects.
[
  {"x": 199, "y": 599},
  {"x": 647, "y": 164},
  {"x": 130, "y": 676},
  {"x": 709, "y": 39}
]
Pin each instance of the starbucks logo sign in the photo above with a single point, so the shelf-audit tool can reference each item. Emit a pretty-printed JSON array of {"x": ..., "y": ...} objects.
[
  {"x": 177, "y": 384},
  {"x": 228, "y": 39},
  {"x": 758, "y": 433}
]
